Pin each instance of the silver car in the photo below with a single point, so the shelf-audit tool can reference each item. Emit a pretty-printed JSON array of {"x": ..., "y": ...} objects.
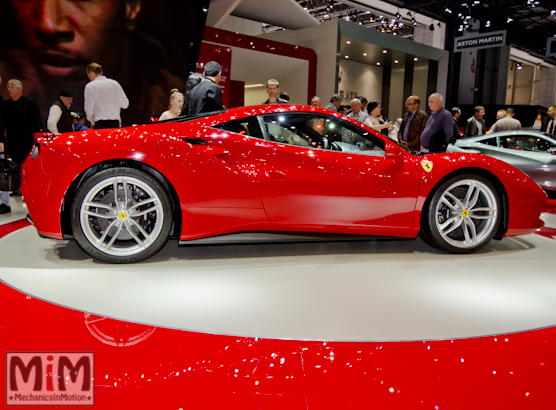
[{"x": 533, "y": 152}]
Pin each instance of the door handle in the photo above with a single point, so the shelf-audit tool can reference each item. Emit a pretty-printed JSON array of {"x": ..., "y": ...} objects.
[{"x": 275, "y": 174}]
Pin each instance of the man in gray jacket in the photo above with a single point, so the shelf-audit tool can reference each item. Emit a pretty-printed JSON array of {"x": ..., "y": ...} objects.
[{"x": 475, "y": 125}]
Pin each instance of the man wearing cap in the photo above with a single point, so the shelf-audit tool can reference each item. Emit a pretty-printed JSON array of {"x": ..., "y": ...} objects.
[
  {"x": 59, "y": 117},
  {"x": 207, "y": 96}
]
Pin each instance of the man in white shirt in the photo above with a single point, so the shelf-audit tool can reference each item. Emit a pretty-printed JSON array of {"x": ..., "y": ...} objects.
[
  {"x": 104, "y": 98},
  {"x": 59, "y": 117}
]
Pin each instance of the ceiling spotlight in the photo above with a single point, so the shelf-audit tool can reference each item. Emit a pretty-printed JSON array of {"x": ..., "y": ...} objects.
[
  {"x": 439, "y": 25},
  {"x": 401, "y": 24},
  {"x": 431, "y": 27},
  {"x": 365, "y": 54},
  {"x": 413, "y": 21},
  {"x": 460, "y": 28},
  {"x": 378, "y": 63},
  {"x": 476, "y": 2},
  {"x": 398, "y": 15},
  {"x": 415, "y": 59},
  {"x": 346, "y": 57},
  {"x": 396, "y": 61},
  {"x": 553, "y": 12},
  {"x": 384, "y": 51},
  {"x": 519, "y": 67},
  {"x": 509, "y": 20},
  {"x": 448, "y": 11},
  {"x": 409, "y": 14},
  {"x": 348, "y": 42},
  {"x": 487, "y": 24}
]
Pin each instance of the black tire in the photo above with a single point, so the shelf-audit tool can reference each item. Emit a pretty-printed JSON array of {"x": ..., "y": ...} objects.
[
  {"x": 462, "y": 215},
  {"x": 127, "y": 228}
]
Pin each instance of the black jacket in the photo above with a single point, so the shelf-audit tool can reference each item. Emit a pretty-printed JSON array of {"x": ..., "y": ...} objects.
[
  {"x": 23, "y": 119},
  {"x": 2, "y": 126},
  {"x": 545, "y": 121},
  {"x": 205, "y": 97},
  {"x": 471, "y": 128},
  {"x": 65, "y": 124}
]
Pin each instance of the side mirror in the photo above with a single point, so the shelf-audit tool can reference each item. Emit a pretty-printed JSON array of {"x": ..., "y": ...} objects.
[{"x": 393, "y": 152}]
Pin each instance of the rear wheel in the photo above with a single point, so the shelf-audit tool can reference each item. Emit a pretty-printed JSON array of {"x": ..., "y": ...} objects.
[
  {"x": 121, "y": 215},
  {"x": 463, "y": 214}
]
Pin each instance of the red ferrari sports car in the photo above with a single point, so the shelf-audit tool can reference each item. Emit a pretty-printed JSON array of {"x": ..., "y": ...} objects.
[{"x": 272, "y": 172}]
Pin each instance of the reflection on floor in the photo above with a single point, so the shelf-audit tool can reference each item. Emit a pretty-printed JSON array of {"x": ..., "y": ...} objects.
[{"x": 145, "y": 366}]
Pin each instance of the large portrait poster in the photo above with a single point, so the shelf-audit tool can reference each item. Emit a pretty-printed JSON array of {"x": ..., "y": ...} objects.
[{"x": 143, "y": 44}]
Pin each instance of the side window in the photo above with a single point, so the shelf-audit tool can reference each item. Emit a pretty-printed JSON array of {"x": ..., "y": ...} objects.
[
  {"x": 245, "y": 126},
  {"x": 526, "y": 143},
  {"x": 489, "y": 141},
  {"x": 321, "y": 131},
  {"x": 544, "y": 145}
]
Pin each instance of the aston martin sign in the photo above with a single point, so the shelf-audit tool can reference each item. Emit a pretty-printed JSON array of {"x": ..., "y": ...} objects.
[{"x": 483, "y": 40}]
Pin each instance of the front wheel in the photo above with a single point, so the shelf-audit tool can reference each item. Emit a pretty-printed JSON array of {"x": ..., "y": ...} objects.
[
  {"x": 121, "y": 215},
  {"x": 463, "y": 214}
]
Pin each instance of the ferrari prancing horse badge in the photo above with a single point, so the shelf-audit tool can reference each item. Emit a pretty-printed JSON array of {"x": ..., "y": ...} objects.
[{"x": 427, "y": 165}]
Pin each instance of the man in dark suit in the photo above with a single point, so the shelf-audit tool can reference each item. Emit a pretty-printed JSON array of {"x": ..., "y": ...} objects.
[
  {"x": 549, "y": 122},
  {"x": 207, "y": 96},
  {"x": 5, "y": 205},
  {"x": 23, "y": 119},
  {"x": 413, "y": 124}
]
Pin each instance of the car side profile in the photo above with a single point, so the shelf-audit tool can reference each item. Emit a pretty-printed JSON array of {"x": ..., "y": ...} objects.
[{"x": 263, "y": 173}]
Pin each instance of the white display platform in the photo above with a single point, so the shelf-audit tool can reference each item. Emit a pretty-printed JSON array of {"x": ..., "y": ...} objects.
[{"x": 373, "y": 290}]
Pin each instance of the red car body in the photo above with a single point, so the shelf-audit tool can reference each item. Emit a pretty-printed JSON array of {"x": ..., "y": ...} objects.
[{"x": 225, "y": 182}]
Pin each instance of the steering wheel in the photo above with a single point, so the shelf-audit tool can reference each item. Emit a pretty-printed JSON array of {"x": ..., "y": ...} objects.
[{"x": 335, "y": 147}]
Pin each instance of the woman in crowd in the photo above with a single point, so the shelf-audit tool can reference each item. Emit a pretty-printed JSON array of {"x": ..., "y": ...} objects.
[
  {"x": 176, "y": 104},
  {"x": 375, "y": 113},
  {"x": 192, "y": 81}
]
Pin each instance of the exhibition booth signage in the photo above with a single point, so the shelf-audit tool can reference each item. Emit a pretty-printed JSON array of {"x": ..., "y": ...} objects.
[{"x": 477, "y": 41}]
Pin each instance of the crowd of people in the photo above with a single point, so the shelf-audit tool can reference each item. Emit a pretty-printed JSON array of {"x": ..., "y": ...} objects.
[{"x": 20, "y": 117}]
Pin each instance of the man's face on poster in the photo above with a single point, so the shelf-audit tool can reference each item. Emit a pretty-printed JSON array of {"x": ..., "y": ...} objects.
[{"x": 63, "y": 36}]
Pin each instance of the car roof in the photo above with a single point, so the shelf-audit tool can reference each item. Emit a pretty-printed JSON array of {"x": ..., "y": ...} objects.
[{"x": 531, "y": 133}]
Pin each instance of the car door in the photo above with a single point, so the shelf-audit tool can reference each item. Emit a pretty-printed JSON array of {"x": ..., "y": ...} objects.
[{"x": 319, "y": 173}]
